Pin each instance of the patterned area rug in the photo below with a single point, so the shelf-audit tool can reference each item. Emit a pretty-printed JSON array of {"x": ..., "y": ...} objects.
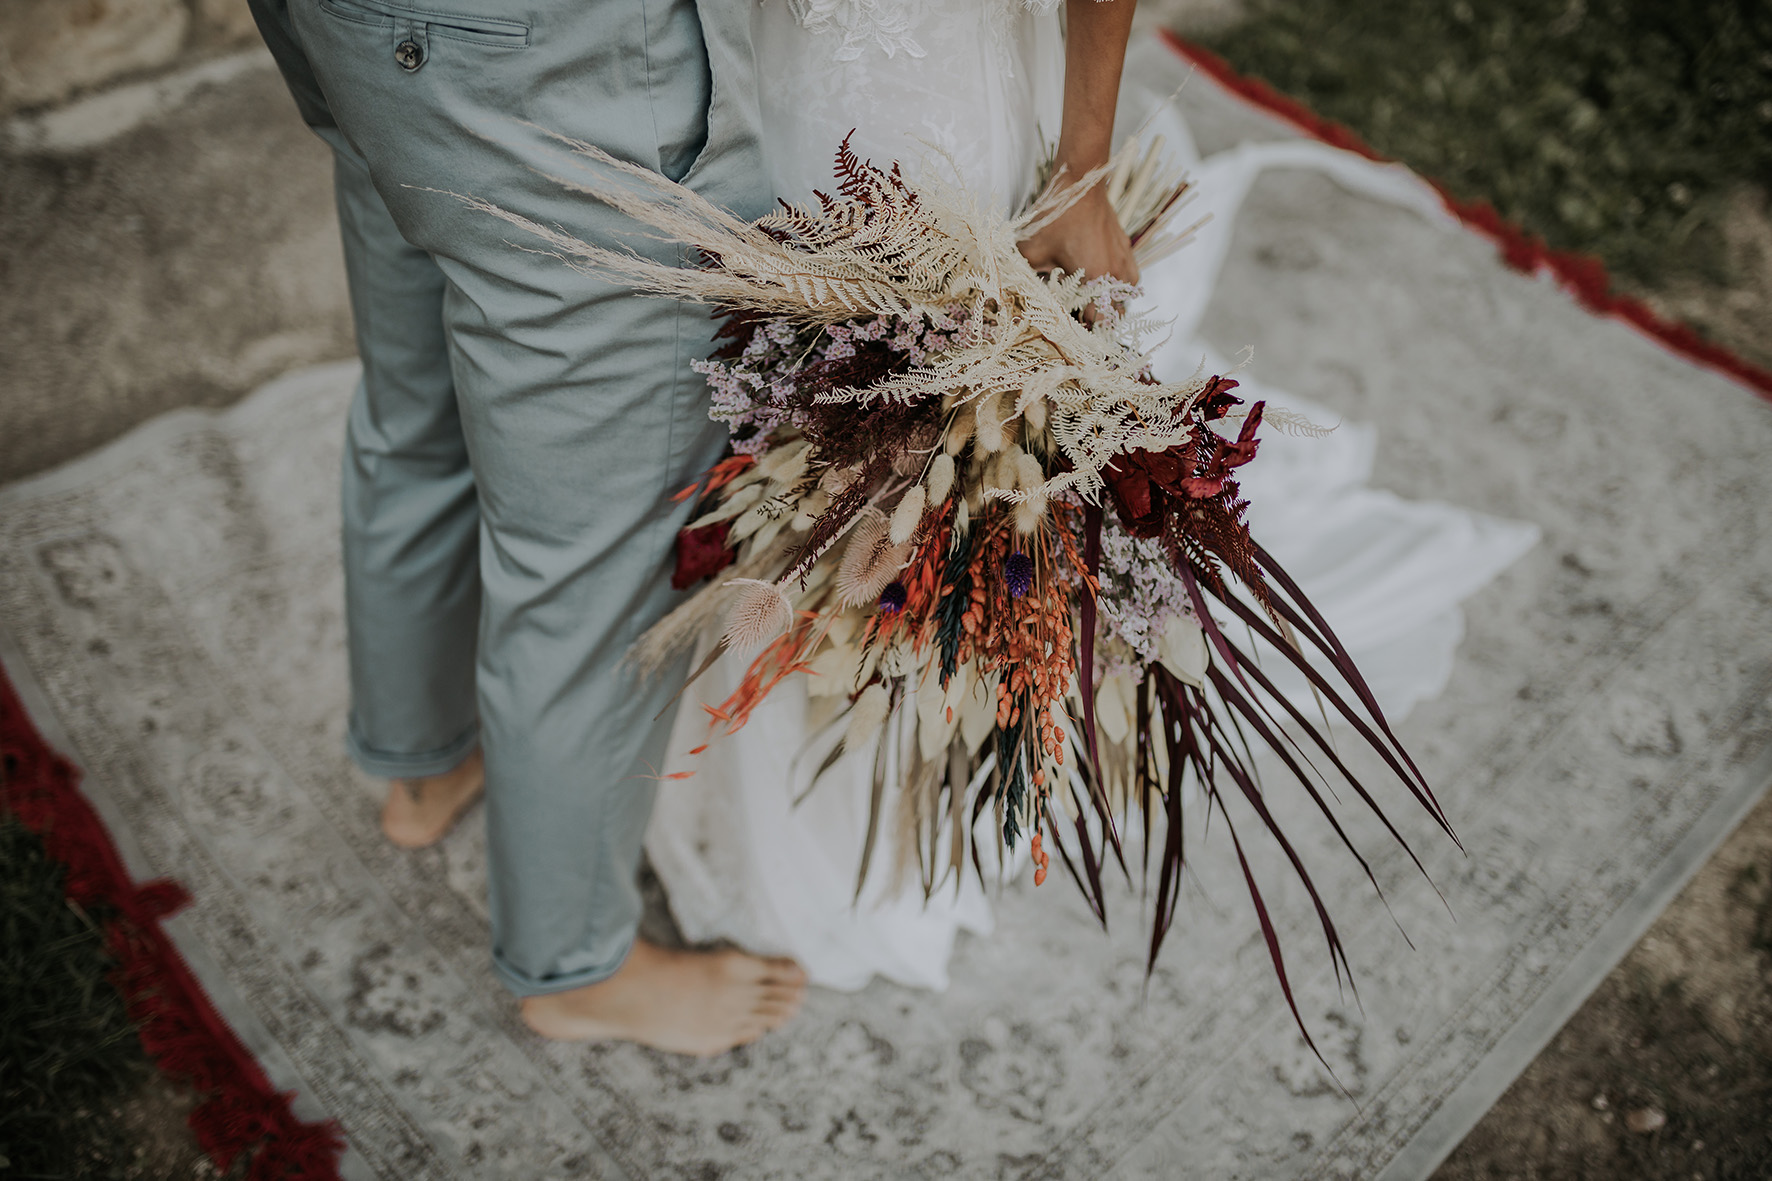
[{"x": 170, "y": 610}]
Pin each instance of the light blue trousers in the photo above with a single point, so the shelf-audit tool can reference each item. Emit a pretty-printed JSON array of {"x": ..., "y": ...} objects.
[{"x": 520, "y": 427}]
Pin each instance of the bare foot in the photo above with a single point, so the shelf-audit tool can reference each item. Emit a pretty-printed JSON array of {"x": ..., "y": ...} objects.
[
  {"x": 419, "y": 811},
  {"x": 700, "y": 1003}
]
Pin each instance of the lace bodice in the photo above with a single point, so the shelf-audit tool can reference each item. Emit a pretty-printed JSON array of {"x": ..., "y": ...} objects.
[
  {"x": 891, "y": 26},
  {"x": 979, "y": 81}
]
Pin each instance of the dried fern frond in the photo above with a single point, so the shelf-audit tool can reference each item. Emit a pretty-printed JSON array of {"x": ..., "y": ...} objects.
[{"x": 1290, "y": 422}]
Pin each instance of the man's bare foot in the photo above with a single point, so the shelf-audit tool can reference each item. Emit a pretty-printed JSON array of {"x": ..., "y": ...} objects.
[
  {"x": 701, "y": 1003},
  {"x": 419, "y": 811}
]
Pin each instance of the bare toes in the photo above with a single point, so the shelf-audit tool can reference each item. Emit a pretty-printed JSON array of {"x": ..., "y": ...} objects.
[
  {"x": 776, "y": 1004},
  {"x": 781, "y": 971},
  {"x": 741, "y": 968},
  {"x": 775, "y": 1020},
  {"x": 751, "y": 1032}
]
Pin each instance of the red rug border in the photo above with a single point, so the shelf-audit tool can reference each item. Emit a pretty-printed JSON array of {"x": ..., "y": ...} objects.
[
  {"x": 180, "y": 1028},
  {"x": 1583, "y": 276}
]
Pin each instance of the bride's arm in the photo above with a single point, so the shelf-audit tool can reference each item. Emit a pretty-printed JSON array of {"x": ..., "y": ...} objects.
[{"x": 1088, "y": 236}]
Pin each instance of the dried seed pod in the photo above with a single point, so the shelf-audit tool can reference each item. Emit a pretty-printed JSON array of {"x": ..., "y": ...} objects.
[
  {"x": 989, "y": 426},
  {"x": 940, "y": 480},
  {"x": 1005, "y": 471},
  {"x": 1034, "y": 414},
  {"x": 835, "y": 479},
  {"x": 870, "y": 561},
  {"x": 1018, "y": 574},
  {"x": 907, "y": 515},
  {"x": 960, "y": 432},
  {"x": 759, "y": 614},
  {"x": 1030, "y": 477}
]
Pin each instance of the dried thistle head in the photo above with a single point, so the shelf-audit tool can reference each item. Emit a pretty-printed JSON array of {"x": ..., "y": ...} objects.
[
  {"x": 759, "y": 613},
  {"x": 870, "y": 561}
]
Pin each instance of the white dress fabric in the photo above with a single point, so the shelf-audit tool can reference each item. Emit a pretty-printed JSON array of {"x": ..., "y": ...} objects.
[{"x": 980, "y": 82}]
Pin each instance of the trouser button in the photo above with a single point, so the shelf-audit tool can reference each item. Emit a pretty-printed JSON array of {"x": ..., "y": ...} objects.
[{"x": 409, "y": 54}]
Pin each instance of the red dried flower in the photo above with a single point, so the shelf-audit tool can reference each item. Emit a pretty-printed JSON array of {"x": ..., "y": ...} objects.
[{"x": 701, "y": 553}]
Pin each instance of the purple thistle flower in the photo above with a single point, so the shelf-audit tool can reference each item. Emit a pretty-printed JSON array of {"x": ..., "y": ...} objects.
[
  {"x": 1018, "y": 574},
  {"x": 893, "y": 597}
]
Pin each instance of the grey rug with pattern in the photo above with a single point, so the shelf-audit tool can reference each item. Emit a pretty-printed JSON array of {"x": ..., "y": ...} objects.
[{"x": 170, "y": 607}]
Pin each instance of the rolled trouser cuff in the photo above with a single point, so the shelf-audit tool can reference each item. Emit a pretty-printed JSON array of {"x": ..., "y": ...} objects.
[
  {"x": 397, "y": 765},
  {"x": 524, "y": 985}
]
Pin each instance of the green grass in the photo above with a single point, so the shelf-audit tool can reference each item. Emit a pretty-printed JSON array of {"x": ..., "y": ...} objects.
[
  {"x": 68, "y": 1051},
  {"x": 1616, "y": 128}
]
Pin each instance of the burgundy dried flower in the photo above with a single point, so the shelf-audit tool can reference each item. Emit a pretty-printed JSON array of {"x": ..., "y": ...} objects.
[
  {"x": 893, "y": 597},
  {"x": 1018, "y": 574},
  {"x": 701, "y": 553}
]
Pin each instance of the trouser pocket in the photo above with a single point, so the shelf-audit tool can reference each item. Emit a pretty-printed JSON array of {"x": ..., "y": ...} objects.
[{"x": 419, "y": 25}]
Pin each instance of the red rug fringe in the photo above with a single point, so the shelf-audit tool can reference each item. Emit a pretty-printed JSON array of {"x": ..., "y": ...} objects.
[
  {"x": 1582, "y": 276},
  {"x": 180, "y": 1029}
]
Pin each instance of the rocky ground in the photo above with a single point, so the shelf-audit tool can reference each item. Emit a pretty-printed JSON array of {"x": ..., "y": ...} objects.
[{"x": 188, "y": 258}]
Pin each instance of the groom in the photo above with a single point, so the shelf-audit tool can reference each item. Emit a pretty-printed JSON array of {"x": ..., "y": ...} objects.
[{"x": 510, "y": 459}]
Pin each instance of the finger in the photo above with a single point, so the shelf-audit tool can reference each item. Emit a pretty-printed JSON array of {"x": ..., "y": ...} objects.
[{"x": 1129, "y": 269}]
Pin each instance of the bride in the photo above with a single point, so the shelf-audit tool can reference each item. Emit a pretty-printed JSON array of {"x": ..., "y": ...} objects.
[{"x": 749, "y": 849}]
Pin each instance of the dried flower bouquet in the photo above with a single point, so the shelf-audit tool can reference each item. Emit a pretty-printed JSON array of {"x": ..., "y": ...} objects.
[{"x": 959, "y": 500}]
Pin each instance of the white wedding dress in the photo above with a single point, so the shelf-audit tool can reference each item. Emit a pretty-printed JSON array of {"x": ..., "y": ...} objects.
[{"x": 976, "y": 85}]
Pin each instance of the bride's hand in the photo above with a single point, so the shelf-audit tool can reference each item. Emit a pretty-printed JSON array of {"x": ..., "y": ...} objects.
[{"x": 1087, "y": 237}]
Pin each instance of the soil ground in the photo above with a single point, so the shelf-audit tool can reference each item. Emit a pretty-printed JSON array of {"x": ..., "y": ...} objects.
[{"x": 1680, "y": 1030}]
